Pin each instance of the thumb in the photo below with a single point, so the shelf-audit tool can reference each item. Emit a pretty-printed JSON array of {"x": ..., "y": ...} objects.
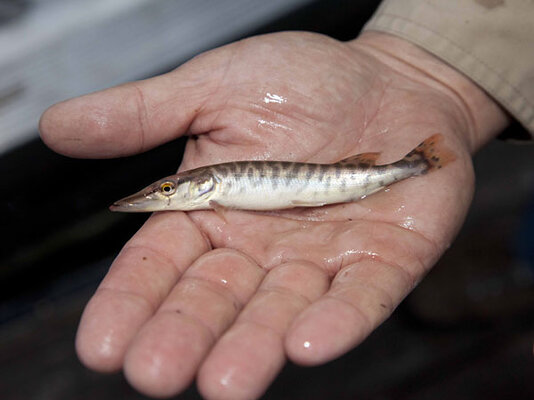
[{"x": 133, "y": 117}]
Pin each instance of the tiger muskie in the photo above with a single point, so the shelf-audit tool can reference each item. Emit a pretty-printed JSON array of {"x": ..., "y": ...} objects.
[{"x": 275, "y": 185}]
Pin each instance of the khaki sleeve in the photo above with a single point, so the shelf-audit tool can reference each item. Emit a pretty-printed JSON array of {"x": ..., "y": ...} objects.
[{"x": 490, "y": 41}]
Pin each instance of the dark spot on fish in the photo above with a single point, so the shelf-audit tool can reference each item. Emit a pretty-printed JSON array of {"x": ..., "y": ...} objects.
[
  {"x": 275, "y": 171},
  {"x": 288, "y": 173},
  {"x": 285, "y": 165},
  {"x": 323, "y": 168},
  {"x": 222, "y": 171},
  {"x": 250, "y": 173},
  {"x": 243, "y": 167},
  {"x": 296, "y": 168},
  {"x": 178, "y": 311},
  {"x": 349, "y": 219},
  {"x": 144, "y": 258},
  {"x": 232, "y": 167},
  {"x": 383, "y": 305},
  {"x": 434, "y": 158},
  {"x": 311, "y": 170}
]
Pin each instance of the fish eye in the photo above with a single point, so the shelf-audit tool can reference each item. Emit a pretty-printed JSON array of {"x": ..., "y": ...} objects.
[{"x": 167, "y": 188}]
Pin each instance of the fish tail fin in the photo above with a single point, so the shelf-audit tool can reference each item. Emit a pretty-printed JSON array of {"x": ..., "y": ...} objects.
[{"x": 433, "y": 152}]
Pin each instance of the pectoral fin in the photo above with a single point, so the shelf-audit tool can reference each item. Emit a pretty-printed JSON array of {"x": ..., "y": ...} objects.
[{"x": 219, "y": 209}]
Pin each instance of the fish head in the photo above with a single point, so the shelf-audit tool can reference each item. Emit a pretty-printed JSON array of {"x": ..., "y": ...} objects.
[{"x": 181, "y": 192}]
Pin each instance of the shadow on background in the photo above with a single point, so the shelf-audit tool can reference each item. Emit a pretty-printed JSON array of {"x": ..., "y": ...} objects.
[{"x": 465, "y": 332}]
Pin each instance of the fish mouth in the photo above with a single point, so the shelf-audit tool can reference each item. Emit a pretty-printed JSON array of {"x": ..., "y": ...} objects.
[{"x": 139, "y": 202}]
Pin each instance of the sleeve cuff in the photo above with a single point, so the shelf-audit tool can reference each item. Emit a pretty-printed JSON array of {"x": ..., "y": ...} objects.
[{"x": 492, "y": 46}]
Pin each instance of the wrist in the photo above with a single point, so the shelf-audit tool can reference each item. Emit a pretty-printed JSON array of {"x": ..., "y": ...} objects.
[{"x": 483, "y": 118}]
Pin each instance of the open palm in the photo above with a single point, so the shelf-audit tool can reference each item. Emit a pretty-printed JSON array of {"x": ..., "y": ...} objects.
[{"x": 227, "y": 297}]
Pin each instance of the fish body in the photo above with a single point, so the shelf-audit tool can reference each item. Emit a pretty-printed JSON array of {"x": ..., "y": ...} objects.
[{"x": 274, "y": 185}]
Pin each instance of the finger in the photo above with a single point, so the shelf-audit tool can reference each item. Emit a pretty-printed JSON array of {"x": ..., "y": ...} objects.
[
  {"x": 165, "y": 356},
  {"x": 251, "y": 353},
  {"x": 361, "y": 296},
  {"x": 140, "y": 278},
  {"x": 133, "y": 117}
]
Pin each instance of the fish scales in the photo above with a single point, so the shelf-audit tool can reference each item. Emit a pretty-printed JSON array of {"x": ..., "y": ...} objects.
[
  {"x": 271, "y": 185},
  {"x": 314, "y": 185}
]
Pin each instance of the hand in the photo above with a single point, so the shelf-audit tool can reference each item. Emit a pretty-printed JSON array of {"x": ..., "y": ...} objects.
[{"x": 228, "y": 299}]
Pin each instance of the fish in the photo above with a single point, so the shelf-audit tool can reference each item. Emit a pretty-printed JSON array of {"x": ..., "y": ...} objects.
[{"x": 277, "y": 185}]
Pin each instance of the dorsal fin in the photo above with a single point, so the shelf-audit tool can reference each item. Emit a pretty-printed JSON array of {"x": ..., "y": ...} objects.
[{"x": 363, "y": 158}]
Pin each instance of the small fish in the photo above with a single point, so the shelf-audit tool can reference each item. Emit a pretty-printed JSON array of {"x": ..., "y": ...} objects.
[{"x": 275, "y": 185}]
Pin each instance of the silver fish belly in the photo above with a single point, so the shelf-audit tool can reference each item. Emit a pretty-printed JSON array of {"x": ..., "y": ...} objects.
[
  {"x": 265, "y": 185},
  {"x": 274, "y": 185}
]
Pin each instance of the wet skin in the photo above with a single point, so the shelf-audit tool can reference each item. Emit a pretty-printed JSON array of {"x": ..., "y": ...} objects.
[{"x": 229, "y": 296}]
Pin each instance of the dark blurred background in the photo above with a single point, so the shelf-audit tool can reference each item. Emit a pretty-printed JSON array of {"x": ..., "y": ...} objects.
[{"x": 465, "y": 333}]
